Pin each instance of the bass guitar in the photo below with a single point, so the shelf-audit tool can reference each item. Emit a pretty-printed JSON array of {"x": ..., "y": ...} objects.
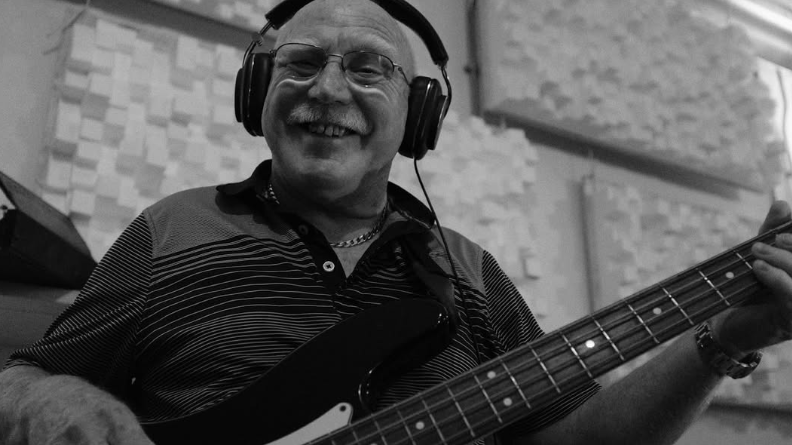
[{"x": 323, "y": 392}]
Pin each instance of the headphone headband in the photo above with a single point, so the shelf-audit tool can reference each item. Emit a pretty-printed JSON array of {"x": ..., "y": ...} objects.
[{"x": 398, "y": 9}]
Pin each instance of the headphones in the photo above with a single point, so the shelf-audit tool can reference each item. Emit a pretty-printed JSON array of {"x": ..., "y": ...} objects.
[{"x": 427, "y": 106}]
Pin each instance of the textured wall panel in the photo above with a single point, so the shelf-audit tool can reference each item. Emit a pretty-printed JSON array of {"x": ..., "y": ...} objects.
[{"x": 644, "y": 78}]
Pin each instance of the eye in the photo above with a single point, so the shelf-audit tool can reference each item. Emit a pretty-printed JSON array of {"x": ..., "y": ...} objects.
[
  {"x": 367, "y": 66},
  {"x": 300, "y": 60},
  {"x": 368, "y": 71},
  {"x": 305, "y": 67}
]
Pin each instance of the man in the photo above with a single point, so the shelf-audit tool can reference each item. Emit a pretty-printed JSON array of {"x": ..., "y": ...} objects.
[{"x": 321, "y": 226}]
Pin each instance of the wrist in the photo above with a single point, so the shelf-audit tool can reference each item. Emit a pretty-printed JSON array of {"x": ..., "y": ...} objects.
[
  {"x": 724, "y": 341},
  {"x": 721, "y": 360}
]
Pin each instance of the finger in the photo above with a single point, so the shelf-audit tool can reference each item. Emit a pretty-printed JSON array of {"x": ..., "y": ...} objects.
[
  {"x": 779, "y": 213},
  {"x": 778, "y": 255},
  {"x": 772, "y": 274},
  {"x": 780, "y": 284}
]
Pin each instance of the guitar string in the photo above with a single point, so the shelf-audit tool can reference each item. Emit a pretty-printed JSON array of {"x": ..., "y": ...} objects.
[
  {"x": 574, "y": 361},
  {"x": 418, "y": 415},
  {"x": 651, "y": 304},
  {"x": 514, "y": 409}
]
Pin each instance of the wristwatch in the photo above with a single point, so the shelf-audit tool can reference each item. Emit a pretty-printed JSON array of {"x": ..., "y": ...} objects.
[{"x": 721, "y": 362}]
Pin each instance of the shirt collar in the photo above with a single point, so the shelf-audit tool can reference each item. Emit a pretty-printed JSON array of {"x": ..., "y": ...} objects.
[{"x": 399, "y": 199}]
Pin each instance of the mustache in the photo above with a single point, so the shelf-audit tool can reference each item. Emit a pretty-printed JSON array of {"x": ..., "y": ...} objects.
[{"x": 348, "y": 117}]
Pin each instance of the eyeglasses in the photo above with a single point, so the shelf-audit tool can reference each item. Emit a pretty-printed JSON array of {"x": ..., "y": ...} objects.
[{"x": 363, "y": 68}]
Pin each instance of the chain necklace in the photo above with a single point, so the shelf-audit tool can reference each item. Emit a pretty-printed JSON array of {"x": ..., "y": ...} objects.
[{"x": 350, "y": 242}]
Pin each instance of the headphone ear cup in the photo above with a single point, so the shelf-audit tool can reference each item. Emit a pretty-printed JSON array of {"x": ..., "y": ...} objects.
[
  {"x": 425, "y": 113},
  {"x": 239, "y": 94},
  {"x": 251, "y": 91},
  {"x": 433, "y": 122}
]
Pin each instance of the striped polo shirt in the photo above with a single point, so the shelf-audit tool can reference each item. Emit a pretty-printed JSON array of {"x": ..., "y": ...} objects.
[{"x": 209, "y": 288}]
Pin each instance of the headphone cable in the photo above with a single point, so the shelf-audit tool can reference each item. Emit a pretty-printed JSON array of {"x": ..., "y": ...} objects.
[{"x": 455, "y": 276}]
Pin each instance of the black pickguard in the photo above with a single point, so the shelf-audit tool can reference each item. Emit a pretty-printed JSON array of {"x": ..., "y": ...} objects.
[{"x": 350, "y": 362}]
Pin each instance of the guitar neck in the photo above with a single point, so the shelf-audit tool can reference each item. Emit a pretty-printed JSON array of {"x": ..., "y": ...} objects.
[{"x": 491, "y": 396}]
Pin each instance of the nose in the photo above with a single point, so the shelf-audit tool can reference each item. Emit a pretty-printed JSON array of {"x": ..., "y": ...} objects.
[{"x": 330, "y": 85}]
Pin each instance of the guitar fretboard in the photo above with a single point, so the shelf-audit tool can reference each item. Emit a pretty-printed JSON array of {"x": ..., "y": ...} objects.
[{"x": 502, "y": 391}]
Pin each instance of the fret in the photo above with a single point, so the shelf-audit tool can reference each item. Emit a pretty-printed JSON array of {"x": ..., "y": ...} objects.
[
  {"x": 388, "y": 425},
  {"x": 355, "y": 435},
  {"x": 378, "y": 433},
  {"x": 607, "y": 337},
  {"x": 673, "y": 300},
  {"x": 577, "y": 356},
  {"x": 641, "y": 320},
  {"x": 500, "y": 387},
  {"x": 746, "y": 262},
  {"x": 366, "y": 433},
  {"x": 420, "y": 424},
  {"x": 474, "y": 403},
  {"x": 729, "y": 279},
  {"x": 443, "y": 421},
  {"x": 516, "y": 385},
  {"x": 715, "y": 288},
  {"x": 345, "y": 436},
  {"x": 547, "y": 373},
  {"x": 461, "y": 412},
  {"x": 434, "y": 422},
  {"x": 484, "y": 391},
  {"x": 407, "y": 428}
]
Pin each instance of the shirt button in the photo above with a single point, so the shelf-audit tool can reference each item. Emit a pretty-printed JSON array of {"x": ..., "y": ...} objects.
[
  {"x": 303, "y": 229},
  {"x": 328, "y": 266}
]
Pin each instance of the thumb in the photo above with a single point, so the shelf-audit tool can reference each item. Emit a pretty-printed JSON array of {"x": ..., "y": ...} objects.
[{"x": 778, "y": 214}]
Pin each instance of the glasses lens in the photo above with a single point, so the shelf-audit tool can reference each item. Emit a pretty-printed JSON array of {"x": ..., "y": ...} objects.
[
  {"x": 367, "y": 68},
  {"x": 302, "y": 61}
]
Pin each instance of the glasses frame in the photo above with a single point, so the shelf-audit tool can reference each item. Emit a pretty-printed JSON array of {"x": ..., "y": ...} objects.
[{"x": 273, "y": 52}]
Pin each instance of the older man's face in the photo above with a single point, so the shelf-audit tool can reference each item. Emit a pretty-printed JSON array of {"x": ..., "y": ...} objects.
[{"x": 327, "y": 129}]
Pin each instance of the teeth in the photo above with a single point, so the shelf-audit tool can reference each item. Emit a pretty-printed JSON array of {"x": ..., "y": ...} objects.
[{"x": 327, "y": 129}]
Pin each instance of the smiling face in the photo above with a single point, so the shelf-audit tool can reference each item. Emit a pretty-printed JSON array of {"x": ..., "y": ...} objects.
[{"x": 327, "y": 134}]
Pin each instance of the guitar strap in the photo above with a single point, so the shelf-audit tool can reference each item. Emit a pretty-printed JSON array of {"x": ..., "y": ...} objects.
[
  {"x": 432, "y": 266},
  {"x": 433, "y": 270}
]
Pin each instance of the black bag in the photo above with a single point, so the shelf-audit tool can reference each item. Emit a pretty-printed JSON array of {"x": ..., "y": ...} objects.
[{"x": 38, "y": 244}]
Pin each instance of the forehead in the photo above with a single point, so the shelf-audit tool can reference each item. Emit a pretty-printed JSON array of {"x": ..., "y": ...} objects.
[{"x": 343, "y": 25}]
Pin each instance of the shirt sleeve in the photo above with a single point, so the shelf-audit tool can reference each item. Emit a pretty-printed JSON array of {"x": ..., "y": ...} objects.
[
  {"x": 94, "y": 338},
  {"x": 515, "y": 325}
]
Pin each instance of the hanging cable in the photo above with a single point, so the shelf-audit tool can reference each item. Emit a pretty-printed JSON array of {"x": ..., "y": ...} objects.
[{"x": 479, "y": 357}]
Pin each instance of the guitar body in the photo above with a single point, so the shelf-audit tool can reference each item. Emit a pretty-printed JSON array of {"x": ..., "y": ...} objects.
[{"x": 326, "y": 383}]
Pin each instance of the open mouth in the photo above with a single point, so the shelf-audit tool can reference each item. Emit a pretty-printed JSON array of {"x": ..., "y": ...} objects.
[{"x": 327, "y": 130}]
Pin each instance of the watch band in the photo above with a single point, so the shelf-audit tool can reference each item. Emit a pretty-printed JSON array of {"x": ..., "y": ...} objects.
[{"x": 719, "y": 360}]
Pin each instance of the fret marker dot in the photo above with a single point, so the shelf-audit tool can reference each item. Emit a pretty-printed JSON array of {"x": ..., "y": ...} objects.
[
  {"x": 507, "y": 401},
  {"x": 420, "y": 425},
  {"x": 729, "y": 275},
  {"x": 590, "y": 344},
  {"x": 491, "y": 375},
  {"x": 657, "y": 311}
]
